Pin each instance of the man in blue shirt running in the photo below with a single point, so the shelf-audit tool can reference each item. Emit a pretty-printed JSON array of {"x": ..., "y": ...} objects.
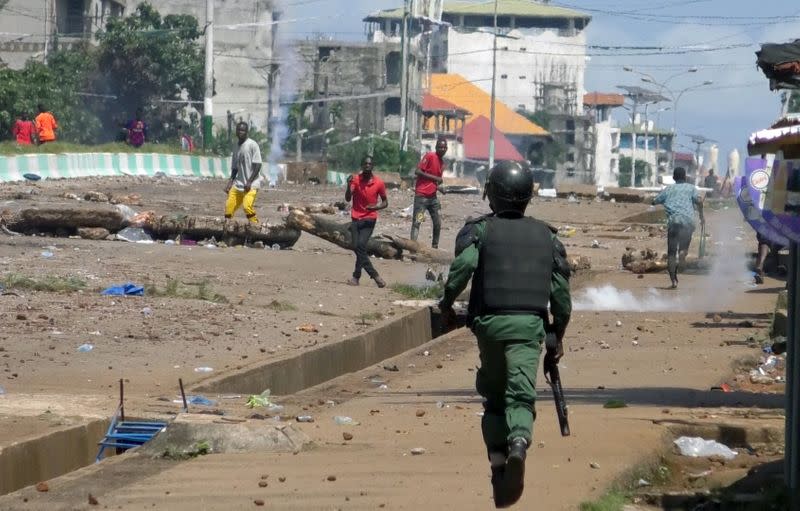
[{"x": 680, "y": 201}]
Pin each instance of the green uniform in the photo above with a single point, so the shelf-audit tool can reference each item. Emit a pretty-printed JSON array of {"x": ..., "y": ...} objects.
[{"x": 510, "y": 347}]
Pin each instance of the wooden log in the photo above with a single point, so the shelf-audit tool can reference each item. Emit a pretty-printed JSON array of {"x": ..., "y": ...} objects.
[
  {"x": 64, "y": 220},
  {"x": 385, "y": 246},
  {"x": 232, "y": 232}
]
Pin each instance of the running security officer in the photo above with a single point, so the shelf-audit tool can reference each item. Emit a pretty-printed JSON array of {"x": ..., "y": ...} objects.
[
  {"x": 429, "y": 177},
  {"x": 517, "y": 266},
  {"x": 245, "y": 175}
]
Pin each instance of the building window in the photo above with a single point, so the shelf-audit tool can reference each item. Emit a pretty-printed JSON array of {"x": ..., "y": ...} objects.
[
  {"x": 521, "y": 106},
  {"x": 391, "y": 106},
  {"x": 570, "y": 138},
  {"x": 393, "y": 67},
  {"x": 503, "y": 76},
  {"x": 571, "y": 125},
  {"x": 571, "y": 157},
  {"x": 522, "y": 77},
  {"x": 523, "y": 49}
]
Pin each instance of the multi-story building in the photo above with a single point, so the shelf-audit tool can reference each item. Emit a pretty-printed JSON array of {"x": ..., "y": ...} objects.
[
  {"x": 352, "y": 87},
  {"x": 32, "y": 28},
  {"x": 605, "y": 136},
  {"x": 244, "y": 69},
  {"x": 541, "y": 45}
]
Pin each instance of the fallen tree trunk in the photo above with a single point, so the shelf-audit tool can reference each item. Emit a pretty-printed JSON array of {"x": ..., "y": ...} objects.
[
  {"x": 385, "y": 246},
  {"x": 69, "y": 220},
  {"x": 64, "y": 220},
  {"x": 650, "y": 261},
  {"x": 231, "y": 232}
]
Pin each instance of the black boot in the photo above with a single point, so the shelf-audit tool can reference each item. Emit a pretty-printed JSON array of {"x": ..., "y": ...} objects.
[
  {"x": 498, "y": 486},
  {"x": 515, "y": 471}
]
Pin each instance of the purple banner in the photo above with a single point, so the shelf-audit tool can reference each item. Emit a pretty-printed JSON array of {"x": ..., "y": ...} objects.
[
  {"x": 781, "y": 206},
  {"x": 751, "y": 197}
]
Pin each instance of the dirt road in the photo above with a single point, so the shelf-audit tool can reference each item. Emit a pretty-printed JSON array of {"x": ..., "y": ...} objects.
[{"x": 660, "y": 363}]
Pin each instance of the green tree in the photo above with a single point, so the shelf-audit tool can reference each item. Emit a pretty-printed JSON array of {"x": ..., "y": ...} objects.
[
  {"x": 386, "y": 155},
  {"x": 144, "y": 58},
  {"x": 57, "y": 86},
  {"x": 643, "y": 172}
]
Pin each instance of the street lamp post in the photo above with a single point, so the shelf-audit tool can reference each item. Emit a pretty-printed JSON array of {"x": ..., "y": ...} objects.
[
  {"x": 675, "y": 101},
  {"x": 494, "y": 81}
]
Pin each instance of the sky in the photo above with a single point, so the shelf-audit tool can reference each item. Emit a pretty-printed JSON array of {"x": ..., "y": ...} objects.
[{"x": 719, "y": 37}]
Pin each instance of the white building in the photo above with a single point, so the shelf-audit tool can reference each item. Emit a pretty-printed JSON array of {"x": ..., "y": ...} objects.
[
  {"x": 605, "y": 135},
  {"x": 541, "y": 46}
]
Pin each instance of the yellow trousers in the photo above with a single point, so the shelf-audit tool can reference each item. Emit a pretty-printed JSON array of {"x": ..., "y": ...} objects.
[{"x": 238, "y": 199}]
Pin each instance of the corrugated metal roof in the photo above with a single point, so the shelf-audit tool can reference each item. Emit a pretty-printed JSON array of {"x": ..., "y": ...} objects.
[
  {"x": 431, "y": 103},
  {"x": 463, "y": 93},
  {"x": 476, "y": 142},
  {"x": 640, "y": 130},
  {"x": 520, "y": 8}
]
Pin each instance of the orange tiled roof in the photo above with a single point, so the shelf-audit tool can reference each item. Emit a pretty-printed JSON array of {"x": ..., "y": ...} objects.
[
  {"x": 431, "y": 103},
  {"x": 457, "y": 90}
]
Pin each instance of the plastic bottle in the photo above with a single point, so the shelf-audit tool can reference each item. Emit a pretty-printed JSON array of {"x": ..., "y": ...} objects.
[
  {"x": 47, "y": 254},
  {"x": 85, "y": 348},
  {"x": 2, "y": 391},
  {"x": 343, "y": 421},
  {"x": 275, "y": 246},
  {"x": 203, "y": 369},
  {"x": 304, "y": 418}
]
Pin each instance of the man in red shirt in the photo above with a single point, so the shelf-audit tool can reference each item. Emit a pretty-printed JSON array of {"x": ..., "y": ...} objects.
[
  {"x": 429, "y": 177},
  {"x": 24, "y": 130},
  {"x": 364, "y": 189}
]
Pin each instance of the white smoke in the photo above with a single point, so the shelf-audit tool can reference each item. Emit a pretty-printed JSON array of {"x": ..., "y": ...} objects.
[
  {"x": 282, "y": 94},
  {"x": 711, "y": 291},
  {"x": 609, "y": 298}
]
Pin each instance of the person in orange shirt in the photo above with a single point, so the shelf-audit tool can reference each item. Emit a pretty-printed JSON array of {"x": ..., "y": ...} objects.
[{"x": 46, "y": 125}]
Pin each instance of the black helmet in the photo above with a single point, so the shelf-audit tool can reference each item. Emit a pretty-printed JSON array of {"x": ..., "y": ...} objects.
[{"x": 509, "y": 187}]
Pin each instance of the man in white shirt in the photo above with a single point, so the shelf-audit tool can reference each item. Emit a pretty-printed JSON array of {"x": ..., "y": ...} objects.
[{"x": 245, "y": 175}]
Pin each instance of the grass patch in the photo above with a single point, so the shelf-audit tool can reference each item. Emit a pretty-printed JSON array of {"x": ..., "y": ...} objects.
[
  {"x": 50, "y": 283},
  {"x": 201, "y": 448},
  {"x": 425, "y": 292},
  {"x": 615, "y": 403},
  {"x": 611, "y": 501},
  {"x": 279, "y": 306},
  {"x": 192, "y": 291},
  {"x": 655, "y": 471},
  {"x": 325, "y": 313},
  {"x": 11, "y": 148}
]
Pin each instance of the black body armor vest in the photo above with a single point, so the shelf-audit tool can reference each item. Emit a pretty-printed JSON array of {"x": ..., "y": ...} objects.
[{"x": 514, "y": 269}]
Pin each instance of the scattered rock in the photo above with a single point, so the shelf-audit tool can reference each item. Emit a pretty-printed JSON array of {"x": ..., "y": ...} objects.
[
  {"x": 42, "y": 487},
  {"x": 92, "y": 500},
  {"x": 392, "y": 368},
  {"x": 717, "y": 318},
  {"x": 331, "y": 478},
  {"x": 594, "y": 465},
  {"x": 93, "y": 233},
  {"x": 282, "y": 479},
  {"x": 95, "y": 196},
  {"x": 258, "y": 502},
  {"x": 347, "y": 436},
  {"x": 263, "y": 484},
  {"x": 416, "y": 451}
]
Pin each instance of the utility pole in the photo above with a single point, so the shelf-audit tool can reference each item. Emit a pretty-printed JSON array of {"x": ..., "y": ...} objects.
[
  {"x": 208, "y": 105},
  {"x": 633, "y": 144},
  {"x": 494, "y": 80},
  {"x": 46, "y": 29},
  {"x": 647, "y": 138},
  {"x": 404, "y": 77}
]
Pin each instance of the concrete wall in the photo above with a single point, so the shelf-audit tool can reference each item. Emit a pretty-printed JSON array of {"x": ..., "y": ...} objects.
[
  {"x": 58, "y": 166},
  {"x": 524, "y": 65},
  {"x": 39, "y": 459},
  {"x": 293, "y": 374},
  {"x": 242, "y": 55}
]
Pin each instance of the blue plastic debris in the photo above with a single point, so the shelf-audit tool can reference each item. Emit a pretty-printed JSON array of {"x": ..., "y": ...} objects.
[
  {"x": 128, "y": 289},
  {"x": 31, "y": 176}
]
